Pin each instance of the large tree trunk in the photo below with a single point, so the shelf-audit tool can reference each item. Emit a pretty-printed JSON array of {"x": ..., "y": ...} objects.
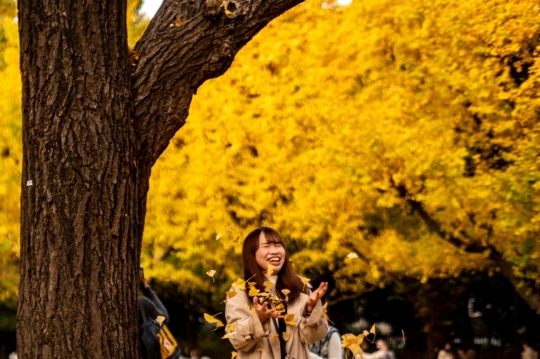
[
  {"x": 81, "y": 210},
  {"x": 91, "y": 134}
]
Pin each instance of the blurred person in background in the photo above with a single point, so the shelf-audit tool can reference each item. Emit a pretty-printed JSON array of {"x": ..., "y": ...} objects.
[
  {"x": 528, "y": 352},
  {"x": 329, "y": 347}
]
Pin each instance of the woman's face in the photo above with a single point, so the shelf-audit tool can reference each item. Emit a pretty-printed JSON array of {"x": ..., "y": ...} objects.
[{"x": 270, "y": 253}]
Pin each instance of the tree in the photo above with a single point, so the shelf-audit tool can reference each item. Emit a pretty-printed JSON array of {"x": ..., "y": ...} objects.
[{"x": 91, "y": 133}]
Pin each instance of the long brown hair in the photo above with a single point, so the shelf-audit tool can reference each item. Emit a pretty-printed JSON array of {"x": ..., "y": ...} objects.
[{"x": 287, "y": 277}]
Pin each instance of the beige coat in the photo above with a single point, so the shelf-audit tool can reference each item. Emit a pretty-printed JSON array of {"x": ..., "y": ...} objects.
[{"x": 251, "y": 336}]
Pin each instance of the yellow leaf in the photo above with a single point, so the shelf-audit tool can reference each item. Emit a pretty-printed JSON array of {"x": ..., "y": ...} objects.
[
  {"x": 253, "y": 292},
  {"x": 240, "y": 284},
  {"x": 280, "y": 307},
  {"x": 211, "y": 273},
  {"x": 285, "y": 292},
  {"x": 372, "y": 330},
  {"x": 231, "y": 293},
  {"x": 227, "y": 336},
  {"x": 289, "y": 319},
  {"x": 286, "y": 336},
  {"x": 268, "y": 285},
  {"x": 324, "y": 312},
  {"x": 233, "y": 355},
  {"x": 230, "y": 327},
  {"x": 160, "y": 319},
  {"x": 251, "y": 284},
  {"x": 304, "y": 280},
  {"x": 274, "y": 337},
  {"x": 227, "y": 12},
  {"x": 209, "y": 318},
  {"x": 260, "y": 349},
  {"x": 179, "y": 22},
  {"x": 270, "y": 270}
]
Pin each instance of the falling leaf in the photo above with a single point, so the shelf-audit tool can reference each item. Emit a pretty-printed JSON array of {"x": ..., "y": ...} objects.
[
  {"x": 270, "y": 270},
  {"x": 260, "y": 349},
  {"x": 210, "y": 318},
  {"x": 304, "y": 280},
  {"x": 253, "y": 292},
  {"x": 251, "y": 284},
  {"x": 373, "y": 329},
  {"x": 289, "y": 319},
  {"x": 352, "y": 255},
  {"x": 268, "y": 285},
  {"x": 274, "y": 337},
  {"x": 286, "y": 336},
  {"x": 227, "y": 336},
  {"x": 231, "y": 293},
  {"x": 280, "y": 307},
  {"x": 211, "y": 273},
  {"x": 233, "y": 355},
  {"x": 160, "y": 319},
  {"x": 285, "y": 292},
  {"x": 179, "y": 22},
  {"x": 218, "y": 236},
  {"x": 230, "y": 327},
  {"x": 240, "y": 284},
  {"x": 324, "y": 312}
]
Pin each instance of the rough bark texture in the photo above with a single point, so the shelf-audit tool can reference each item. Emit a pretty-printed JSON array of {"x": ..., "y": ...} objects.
[{"x": 91, "y": 135}]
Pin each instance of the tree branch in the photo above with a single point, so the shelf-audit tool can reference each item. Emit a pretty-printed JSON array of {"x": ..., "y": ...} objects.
[
  {"x": 470, "y": 247},
  {"x": 506, "y": 268},
  {"x": 187, "y": 43}
]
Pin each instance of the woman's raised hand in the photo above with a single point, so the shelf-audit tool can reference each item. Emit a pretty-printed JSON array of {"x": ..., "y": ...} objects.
[
  {"x": 316, "y": 295},
  {"x": 263, "y": 312}
]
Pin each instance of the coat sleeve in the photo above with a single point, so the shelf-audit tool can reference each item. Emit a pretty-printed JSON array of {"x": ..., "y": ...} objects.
[
  {"x": 314, "y": 327},
  {"x": 248, "y": 329}
]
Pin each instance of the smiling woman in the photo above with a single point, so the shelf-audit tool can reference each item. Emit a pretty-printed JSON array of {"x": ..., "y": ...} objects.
[{"x": 277, "y": 304}]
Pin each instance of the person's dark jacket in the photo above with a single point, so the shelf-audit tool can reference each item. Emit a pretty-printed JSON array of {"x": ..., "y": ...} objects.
[{"x": 150, "y": 307}]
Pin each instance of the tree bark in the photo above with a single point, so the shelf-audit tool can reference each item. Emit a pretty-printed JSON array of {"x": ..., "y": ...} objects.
[{"x": 91, "y": 134}]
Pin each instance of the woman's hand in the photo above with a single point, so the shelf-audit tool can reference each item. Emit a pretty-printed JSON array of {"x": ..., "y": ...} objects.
[
  {"x": 263, "y": 312},
  {"x": 315, "y": 296}
]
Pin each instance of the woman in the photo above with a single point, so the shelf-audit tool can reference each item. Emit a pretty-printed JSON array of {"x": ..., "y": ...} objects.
[{"x": 283, "y": 318}]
